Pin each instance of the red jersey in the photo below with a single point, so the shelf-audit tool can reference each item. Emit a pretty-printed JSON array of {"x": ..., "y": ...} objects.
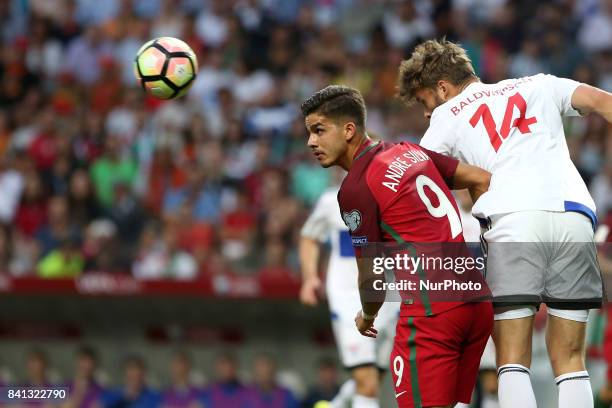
[{"x": 399, "y": 193}]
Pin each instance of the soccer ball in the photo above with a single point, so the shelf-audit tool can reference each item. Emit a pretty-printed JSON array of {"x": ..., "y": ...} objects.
[{"x": 166, "y": 67}]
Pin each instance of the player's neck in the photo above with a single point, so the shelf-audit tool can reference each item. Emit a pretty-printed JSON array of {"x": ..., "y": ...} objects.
[
  {"x": 352, "y": 152},
  {"x": 467, "y": 83}
]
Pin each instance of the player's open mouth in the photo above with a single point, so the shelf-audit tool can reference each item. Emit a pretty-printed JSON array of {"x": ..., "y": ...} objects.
[{"x": 319, "y": 155}]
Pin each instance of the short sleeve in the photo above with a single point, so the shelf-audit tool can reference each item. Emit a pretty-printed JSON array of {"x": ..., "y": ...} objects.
[
  {"x": 317, "y": 224},
  {"x": 562, "y": 90},
  {"x": 438, "y": 136},
  {"x": 360, "y": 213},
  {"x": 447, "y": 166}
]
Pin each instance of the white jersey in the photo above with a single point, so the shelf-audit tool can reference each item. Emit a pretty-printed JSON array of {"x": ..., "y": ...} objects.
[
  {"x": 325, "y": 223},
  {"x": 514, "y": 130}
]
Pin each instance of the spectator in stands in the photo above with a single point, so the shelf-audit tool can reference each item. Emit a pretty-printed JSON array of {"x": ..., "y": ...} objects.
[
  {"x": 85, "y": 52},
  {"x": 165, "y": 173},
  {"x": 404, "y": 26},
  {"x": 112, "y": 168},
  {"x": 596, "y": 31},
  {"x": 126, "y": 213},
  {"x": 84, "y": 390},
  {"x": 32, "y": 211},
  {"x": 527, "y": 61},
  {"x": 181, "y": 393},
  {"x": 238, "y": 229},
  {"x": 149, "y": 258},
  {"x": 203, "y": 197},
  {"x": 163, "y": 258},
  {"x": 12, "y": 185},
  {"x": 65, "y": 261},
  {"x": 227, "y": 391},
  {"x": 5, "y": 250},
  {"x": 279, "y": 207},
  {"x": 5, "y": 132},
  {"x": 84, "y": 207},
  {"x": 308, "y": 182},
  {"x": 274, "y": 269},
  {"x": 43, "y": 147},
  {"x": 60, "y": 227},
  {"x": 601, "y": 189},
  {"x": 134, "y": 392},
  {"x": 266, "y": 392},
  {"x": 58, "y": 179},
  {"x": 24, "y": 254},
  {"x": 194, "y": 237},
  {"x": 327, "y": 385},
  {"x": 102, "y": 249}
]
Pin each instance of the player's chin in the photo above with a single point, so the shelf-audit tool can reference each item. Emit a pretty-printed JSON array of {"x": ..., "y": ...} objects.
[{"x": 326, "y": 162}]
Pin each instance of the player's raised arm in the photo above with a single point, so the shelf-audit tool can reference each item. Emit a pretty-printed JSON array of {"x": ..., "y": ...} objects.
[
  {"x": 587, "y": 99},
  {"x": 314, "y": 230},
  {"x": 459, "y": 175},
  {"x": 309, "y": 252},
  {"x": 475, "y": 179},
  {"x": 371, "y": 299}
]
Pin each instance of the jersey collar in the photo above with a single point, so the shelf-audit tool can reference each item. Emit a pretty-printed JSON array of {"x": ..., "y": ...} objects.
[
  {"x": 365, "y": 147},
  {"x": 470, "y": 85}
]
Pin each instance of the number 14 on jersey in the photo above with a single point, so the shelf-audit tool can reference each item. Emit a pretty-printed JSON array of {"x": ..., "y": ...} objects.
[{"x": 521, "y": 122}]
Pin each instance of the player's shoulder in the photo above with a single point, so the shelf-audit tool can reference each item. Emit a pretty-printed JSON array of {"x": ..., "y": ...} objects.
[
  {"x": 355, "y": 184},
  {"x": 406, "y": 145},
  {"x": 393, "y": 162},
  {"x": 393, "y": 149},
  {"x": 528, "y": 78},
  {"x": 536, "y": 80},
  {"x": 442, "y": 134},
  {"x": 365, "y": 160},
  {"x": 387, "y": 153}
]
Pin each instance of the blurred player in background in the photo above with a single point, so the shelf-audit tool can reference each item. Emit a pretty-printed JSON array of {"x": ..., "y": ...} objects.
[
  {"x": 84, "y": 390},
  {"x": 266, "y": 392},
  {"x": 227, "y": 390},
  {"x": 327, "y": 384},
  {"x": 134, "y": 392},
  {"x": 181, "y": 394},
  {"x": 364, "y": 357},
  {"x": 514, "y": 130},
  {"x": 438, "y": 345}
]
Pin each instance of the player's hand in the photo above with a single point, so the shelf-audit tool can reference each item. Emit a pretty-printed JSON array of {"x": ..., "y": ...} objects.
[
  {"x": 364, "y": 326},
  {"x": 309, "y": 293}
]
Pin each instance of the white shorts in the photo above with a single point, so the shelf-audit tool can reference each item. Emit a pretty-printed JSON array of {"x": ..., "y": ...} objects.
[
  {"x": 542, "y": 256},
  {"x": 357, "y": 350}
]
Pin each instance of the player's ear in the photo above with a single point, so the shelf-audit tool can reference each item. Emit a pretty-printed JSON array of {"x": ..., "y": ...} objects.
[
  {"x": 349, "y": 131},
  {"x": 442, "y": 86}
]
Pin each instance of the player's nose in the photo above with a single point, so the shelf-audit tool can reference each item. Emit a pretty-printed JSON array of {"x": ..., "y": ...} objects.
[
  {"x": 427, "y": 115},
  {"x": 312, "y": 140}
]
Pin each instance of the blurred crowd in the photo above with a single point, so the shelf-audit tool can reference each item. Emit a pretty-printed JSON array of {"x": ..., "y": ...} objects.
[
  {"x": 183, "y": 386},
  {"x": 95, "y": 176}
]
